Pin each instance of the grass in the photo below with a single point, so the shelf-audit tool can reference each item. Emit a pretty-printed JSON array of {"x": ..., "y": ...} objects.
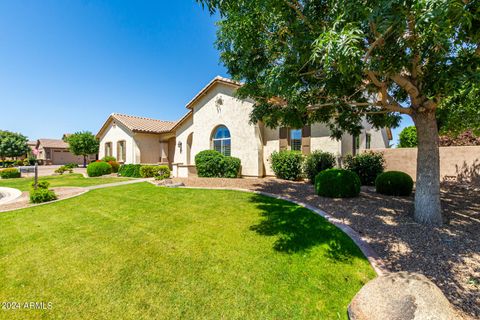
[
  {"x": 144, "y": 252},
  {"x": 65, "y": 180}
]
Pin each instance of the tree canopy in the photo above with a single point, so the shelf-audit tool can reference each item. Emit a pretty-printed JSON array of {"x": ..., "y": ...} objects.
[
  {"x": 83, "y": 144},
  {"x": 12, "y": 144},
  {"x": 408, "y": 137}
]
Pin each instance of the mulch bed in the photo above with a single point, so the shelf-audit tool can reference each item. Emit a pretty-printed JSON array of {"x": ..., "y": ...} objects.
[{"x": 447, "y": 255}]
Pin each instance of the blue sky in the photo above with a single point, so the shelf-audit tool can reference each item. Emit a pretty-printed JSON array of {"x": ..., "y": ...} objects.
[{"x": 66, "y": 65}]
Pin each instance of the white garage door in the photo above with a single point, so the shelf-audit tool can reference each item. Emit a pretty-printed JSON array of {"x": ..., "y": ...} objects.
[{"x": 64, "y": 157}]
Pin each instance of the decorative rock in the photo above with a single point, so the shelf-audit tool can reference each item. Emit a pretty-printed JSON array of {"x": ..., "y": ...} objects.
[
  {"x": 401, "y": 296},
  {"x": 168, "y": 183}
]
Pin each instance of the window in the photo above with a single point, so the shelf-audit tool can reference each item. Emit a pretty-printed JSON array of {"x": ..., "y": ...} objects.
[
  {"x": 296, "y": 139},
  {"x": 368, "y": 139},
  {"x": 121, "y": 151},
  {"x": 108, "y": 149},
  {"x": 221, "y": 140}
]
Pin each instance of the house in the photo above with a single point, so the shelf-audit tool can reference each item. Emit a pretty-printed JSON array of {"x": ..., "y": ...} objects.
[
  {"x": 216, "y": 119},
  {"x": 55, "y": 151}
]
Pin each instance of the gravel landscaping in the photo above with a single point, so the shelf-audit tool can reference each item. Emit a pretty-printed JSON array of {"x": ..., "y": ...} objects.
[{"x": 448, "y": 255}]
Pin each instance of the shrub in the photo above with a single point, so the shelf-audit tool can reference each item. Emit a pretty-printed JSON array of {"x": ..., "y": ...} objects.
[
  {"x": 115, "y": 166},
  {"x": 367, "y": 165},
  {"x": 394, "y": 183},
  {"x": 19, "y": 163},
  {"x": 231, "y": 167},
  {"x": 26, "y": 162},
  {"x": 108, "y": 159},
  {"x": 148, "y": 171},
  {"x": 10, "y": 173},
  {"x": 71, "y": 165},
  {"x": 42, "y": 195},
  {"x": 96, "y": 169},
  {"x": 209, "y": 163},
  {"x": 130, "y": 170},
  {"x": 337, "y": 183},
  {"x": 316, "y": 162},
  {"x": 63, "y": 169},
  {"x": 163, "y": 172},
  {"x": 287, "y": 164},
  {"x": 42, "y": 184}
]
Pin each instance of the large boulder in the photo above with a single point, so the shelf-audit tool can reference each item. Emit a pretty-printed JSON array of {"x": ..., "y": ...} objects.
[{"x": 401, "y": 296}]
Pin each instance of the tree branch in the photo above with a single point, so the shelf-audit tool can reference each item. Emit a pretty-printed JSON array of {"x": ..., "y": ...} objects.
[
  {"x": 407, "y": 85},
  {"x": 297, "y": 7},
  {"x": 378, "y": 41}
]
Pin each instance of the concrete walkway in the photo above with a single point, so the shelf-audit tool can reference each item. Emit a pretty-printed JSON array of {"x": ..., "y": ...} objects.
[{"x": 115, "y": 184}]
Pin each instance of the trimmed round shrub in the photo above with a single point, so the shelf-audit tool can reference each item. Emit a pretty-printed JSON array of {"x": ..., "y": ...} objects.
[
  {"x": 163, "y": 172},
  {"x": 337, "y": 183},
  {"x": 97, "y": 169},
  {"x": 287, "y": 164},
  {"x": 115, "y": 165},
  {"x": 42, "y": 195},
  {"x": 316, "y": 162},
  {"x": 10, "y": 173},
  {"x": 367, "y": 165},
  {"x": 209, "y": 163},
  {"x": 231, "y": 167},
  {"x": 108, "y": 159},
  {"x": 130, "y": 170},
  {"x": 394, "y": 183}
]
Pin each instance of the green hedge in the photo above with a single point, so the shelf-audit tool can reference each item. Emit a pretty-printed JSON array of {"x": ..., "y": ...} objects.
[
  {"x": 10, "y": 173},
  {"x": 163, "y": 172},
  {"x": 337, "y": 183},
  {"x": 108, "y": 159},
  {"x": 316, "y": 162},
  {"x": 287, "y": 164},
  {"x": 394, "y": 183},
  {"x": 159, "y": 172},
  {"x": 211, "y": 163},
  {"x": 97, "y": 169},
  {"x": 130, "y": 170},
  {"x": 367, "y": 165}
]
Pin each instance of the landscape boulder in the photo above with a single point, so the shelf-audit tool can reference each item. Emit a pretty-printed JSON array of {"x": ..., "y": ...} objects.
[{"x": 401, "y": 296}]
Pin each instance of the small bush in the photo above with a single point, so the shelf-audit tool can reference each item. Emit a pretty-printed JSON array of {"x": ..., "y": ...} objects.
[
  {"x": 61, "y": 170},
  {"x": 26, "y": 162},
  {"x": 163, "y": 172},
  {"x": 10, "y": 173},
  {"x": 287, "y": 164},
  {"x": 108, "y": 159},
  {"x": 42, "y": 195},
  {"x": 42, "y": 184},
  {"x": 209, "y": 163},
  {"x": 337, "y": 183},
  {"x": 148, "y": 171},
  {"x": 130, "y": 170},
  {"x": 316, "y": 162},
  {"x": 231, "y": 167},
  {"x": 71, "y": 165},
  {"x": 394, "y": 183},
  {"x": 115, "y": 166},
  {"x": 97, "y": 169},
  {"x": 367, "y": 165}
]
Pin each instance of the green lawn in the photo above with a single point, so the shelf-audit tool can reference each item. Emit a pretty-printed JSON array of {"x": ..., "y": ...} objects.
[
  {"x": 145, "y": 252},
  {"x": 66, "y": 180}
]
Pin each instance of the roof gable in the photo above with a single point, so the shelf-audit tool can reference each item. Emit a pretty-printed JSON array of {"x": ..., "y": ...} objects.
[
  {"x": 138, "y": 124},
  {"x": 217, "y": 80}
]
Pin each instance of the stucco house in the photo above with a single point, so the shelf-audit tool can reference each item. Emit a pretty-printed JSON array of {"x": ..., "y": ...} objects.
[
  {"x": 56, "y": 152},
  {"x": 216, "y": 119}
]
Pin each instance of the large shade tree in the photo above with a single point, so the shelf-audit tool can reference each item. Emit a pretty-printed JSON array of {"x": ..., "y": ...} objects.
[
  {"x": 337, "y": 62},
  {"x": 83, "y": 144},
  {"x": 12, "y": 145}
]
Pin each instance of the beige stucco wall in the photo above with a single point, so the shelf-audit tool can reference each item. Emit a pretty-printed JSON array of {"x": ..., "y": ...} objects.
[
  {"x": 462, "y": 163},
  {"x": 117, "y": 132},
  {"x": 149, "y": 146},
  {"x": 208, "y": 114},
  {"x": 182, "y": 133}
]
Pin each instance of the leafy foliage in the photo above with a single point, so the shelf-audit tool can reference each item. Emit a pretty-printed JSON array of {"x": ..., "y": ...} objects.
[
  {"x": 211, "y": 163},
  {"x": 61, "y": 170},
  {"x": 97, "y": 169},
  {"x": 408, "y": 138},
  {"x": 130, "y": 170},
  {"x": 10, "y": 173},
  {"x": 162, "y": 173},
  {"x": 394, "y": 183},
  {"x": 83, "y": 144},
  {"x": 115, "y": 165},
  {"x": 287, "y": 164},
  {"x": 467, "y": 138},
  {"x": 42, "y": 184},
  {"x": 366, "y": 165},
  {"x": 42, "y": 195},
  {"x": 231, "y": 167},
  {"x": 12, "y": 144},
  {"x": 109, "y": 158},
  {"x": 159, "y": 172},
  {"x": 316, "y": 162},
  {"x": 337, "y": 183}
]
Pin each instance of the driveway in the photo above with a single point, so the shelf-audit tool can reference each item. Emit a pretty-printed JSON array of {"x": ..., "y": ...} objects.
[{"x": 49, "y": 170}]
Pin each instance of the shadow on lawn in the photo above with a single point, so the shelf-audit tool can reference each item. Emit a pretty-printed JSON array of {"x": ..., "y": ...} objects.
[{"x": 298, "y": 229}]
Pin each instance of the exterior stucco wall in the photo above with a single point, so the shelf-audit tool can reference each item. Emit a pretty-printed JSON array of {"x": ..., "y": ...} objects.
[
  {"x": 117, "y": 132},
  {"x": 149, "y": 146},
  {"x": 320, "y": 140},
  {"x": 209, "y": 113},
  {"x": 182, "y": 133},
  {"x": 270, "y": 144}
]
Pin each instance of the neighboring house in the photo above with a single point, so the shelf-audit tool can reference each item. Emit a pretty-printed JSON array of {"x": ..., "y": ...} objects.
[
  {"x": 218, "y": 120},
  {"x": 55, "y": 151}
]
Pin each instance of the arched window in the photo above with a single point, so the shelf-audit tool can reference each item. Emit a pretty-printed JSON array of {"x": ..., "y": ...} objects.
[{"x": 221, "y": 140}]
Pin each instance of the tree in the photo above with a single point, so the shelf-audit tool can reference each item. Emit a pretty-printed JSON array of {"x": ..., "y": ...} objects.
[
  {"x": 83, "y": 144},
  {"x": 408, "y": 137},
  {"x": 337, "y": 62},
  {"x": 12, "y": 144}
]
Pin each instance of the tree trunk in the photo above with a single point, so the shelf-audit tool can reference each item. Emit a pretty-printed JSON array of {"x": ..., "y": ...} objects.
[
  {"x": 427, "y": 191},
  {"x": 84, "y": 161}
]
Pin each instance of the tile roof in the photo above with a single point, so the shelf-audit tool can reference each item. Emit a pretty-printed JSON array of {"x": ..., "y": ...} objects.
[
  {"x": 217, "y": 79},
  {"x": 141, "y": 124},
  {"x": 53, "y": 143}
]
